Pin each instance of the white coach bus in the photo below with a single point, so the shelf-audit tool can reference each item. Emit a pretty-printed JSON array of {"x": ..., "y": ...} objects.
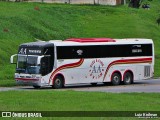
[{"x": 84, "y": 60}]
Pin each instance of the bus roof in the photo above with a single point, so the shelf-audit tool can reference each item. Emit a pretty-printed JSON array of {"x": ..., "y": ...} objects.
[
  {"x": 100, "y": 41},
  {"x": 87, "y": 41},
  {"x": 37, "y": 44}
]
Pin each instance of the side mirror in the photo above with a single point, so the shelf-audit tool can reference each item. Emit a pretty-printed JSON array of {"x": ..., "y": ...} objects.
[{"x": 13, "y": 59}]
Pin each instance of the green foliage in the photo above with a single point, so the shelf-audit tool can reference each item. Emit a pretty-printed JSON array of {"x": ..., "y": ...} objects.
[{"x": 26, "y": 22}]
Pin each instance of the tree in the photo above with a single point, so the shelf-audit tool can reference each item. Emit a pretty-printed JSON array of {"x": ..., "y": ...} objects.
[{"x": 135, "y": 3}]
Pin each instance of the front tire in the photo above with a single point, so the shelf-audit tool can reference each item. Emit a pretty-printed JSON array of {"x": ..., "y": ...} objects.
[
  {"x": 128, "y": 78},
  {"x": 115, "y": 79},
  {"x": 58, "y": 82}
]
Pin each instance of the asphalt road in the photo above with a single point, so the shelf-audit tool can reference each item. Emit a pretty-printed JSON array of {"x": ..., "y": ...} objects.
[{"x": 147, "y": 86}]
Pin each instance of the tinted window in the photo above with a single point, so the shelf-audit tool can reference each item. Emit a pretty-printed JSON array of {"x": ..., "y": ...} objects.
[{"x": 101, "y": 51}]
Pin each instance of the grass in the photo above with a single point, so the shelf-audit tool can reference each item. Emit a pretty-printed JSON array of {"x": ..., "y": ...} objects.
[
  {"x": 7, "y": 83},
  {"x": 77, "y": 101},
  {"x": 25, "y": 22}
]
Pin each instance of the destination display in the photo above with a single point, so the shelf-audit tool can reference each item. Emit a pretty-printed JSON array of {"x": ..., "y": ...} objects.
[{"x": 30, "y": 51}]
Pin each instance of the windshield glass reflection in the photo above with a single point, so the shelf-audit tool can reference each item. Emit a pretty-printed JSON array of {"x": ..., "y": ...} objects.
[{"x": 28, "y": 65}]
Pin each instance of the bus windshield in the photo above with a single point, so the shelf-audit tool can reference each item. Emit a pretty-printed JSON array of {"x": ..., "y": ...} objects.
[{"x": 28, "y": 64}]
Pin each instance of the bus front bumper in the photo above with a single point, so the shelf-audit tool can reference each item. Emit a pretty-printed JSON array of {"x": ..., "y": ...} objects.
[
  {"x": 24, "y": 81},
  {"x": 27, "y": 80}
]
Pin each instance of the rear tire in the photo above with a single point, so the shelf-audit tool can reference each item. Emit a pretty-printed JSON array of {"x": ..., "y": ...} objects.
[
  {"x": 58, "y": 82},
  {"x": 128, "y": 78},
  {"x": 115, "y": 79}
]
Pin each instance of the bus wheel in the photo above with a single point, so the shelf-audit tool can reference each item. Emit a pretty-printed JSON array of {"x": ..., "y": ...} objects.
[
  {"x": 58, "y": 82},
  {"x": 128, "y": 78},
  {"x": 116, "y": 79},
  {"x": 36, "y": 87}
]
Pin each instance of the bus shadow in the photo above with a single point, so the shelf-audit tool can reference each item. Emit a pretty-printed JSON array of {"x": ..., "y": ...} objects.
[
  {"x": 108, "y": 84},
  {"x": 102, "y": 85}
]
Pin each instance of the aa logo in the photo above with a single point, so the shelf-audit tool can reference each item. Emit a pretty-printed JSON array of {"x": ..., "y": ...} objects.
[{"x": 96, "y": 69}]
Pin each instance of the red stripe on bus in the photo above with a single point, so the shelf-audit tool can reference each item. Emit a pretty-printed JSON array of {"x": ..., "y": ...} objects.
[
  {"x": 72, "y": 65},
  {"x": 127, "y": 61}
]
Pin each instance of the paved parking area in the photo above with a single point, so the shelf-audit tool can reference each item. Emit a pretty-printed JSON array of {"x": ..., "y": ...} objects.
[{"x": 147, "y": 86}]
